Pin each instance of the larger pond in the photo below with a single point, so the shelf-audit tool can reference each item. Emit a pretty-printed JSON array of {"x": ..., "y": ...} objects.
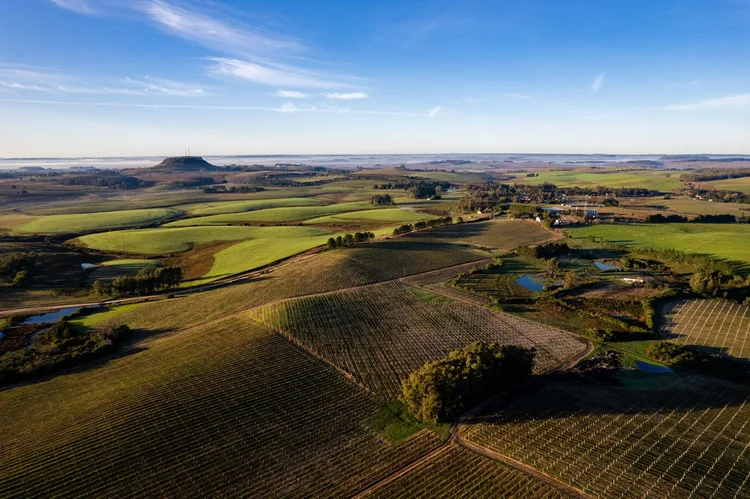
[
  {"x": 50, "y": 316},
  {"x": 647, "y": 367},
  {"x": 606, "y": 266},
  {"x": 536, "y": 283}
]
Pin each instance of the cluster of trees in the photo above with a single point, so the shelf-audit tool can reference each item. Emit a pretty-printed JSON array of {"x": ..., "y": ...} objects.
[
  {"x": 349, "y": 240},
  {"x": 15, "y": 267},
  {"x": 549, "y": 250},
  {"x": 105, "y": 178},
  {"x": 715, "y": 219},
  {"x": 497, "y": 196},
  {"x": 62, "y": 346},
  {"x": 719, "y": 196},
  {"x": 720, "y": 283},
  {"x": 435, "y": 222},
  {"x": 715, "y": 174},
  {"x": 419, "y": 188},
  {"x": 192, "y": 182},
  {"x": 669, "y": 219},
  {"x": 149, "y": 279},
  {"x": 444, "y": 389},
  {"x": 223, "y": 189},
  {"x": 700, "y": 219},
  {"x": 382, "y": 199}
]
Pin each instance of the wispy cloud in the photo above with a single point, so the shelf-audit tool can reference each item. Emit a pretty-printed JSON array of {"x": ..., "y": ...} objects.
[
  {"x": 32, "y": 79},
  {"x": 287, "y": 107},
  {"x": 346, "y": 96},
  {"x": 271, "y": 75},
  {"x": 598, "y": 82},
  {"x": 221, "y": 35},
  {"x": 730, "y": 102},
  {"x": 290, "y": 94},
  {"x": 432, "y": 113},
  {"x": 248, "y": 53},
  {"x": 78, "y": 6}
]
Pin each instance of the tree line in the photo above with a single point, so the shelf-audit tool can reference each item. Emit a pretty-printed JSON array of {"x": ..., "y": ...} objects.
[
  {"x": 700, "y": 219},
  {"x": 349, "y": 240},
  {"x": 423, "y": 224},
  {"x": 109, "y": 179},
  {"x": 15, "y": 267},
  {"x": 148, "y": 280},
  {"x": 715, "y": 174}
]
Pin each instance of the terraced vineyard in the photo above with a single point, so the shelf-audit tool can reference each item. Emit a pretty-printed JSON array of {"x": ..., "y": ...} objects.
[
  {"x": 714, "y": 325},
  {"x": 458, "y": 472},
  {"x": 686, "y": 439},
  {"x": 407, "y": 256},
  {"x": 207, "y": 411},
  {"x": 503, "y": 235},
  {"x": 381, "y": 333}
]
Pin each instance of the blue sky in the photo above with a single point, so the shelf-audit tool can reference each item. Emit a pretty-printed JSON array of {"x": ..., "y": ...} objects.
[{"x": 153, "y": 77}]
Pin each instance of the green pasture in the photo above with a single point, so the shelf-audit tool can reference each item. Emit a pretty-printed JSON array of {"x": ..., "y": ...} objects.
[
  {"x": 688, "y": 206},
  {"x": 731, "y": 184},
  {"x": 177, "y": 239},
  {"x": 725, "y": 241},
  {"x": 662, "y": 181},
  {"x": 76, "y": 223},
  {"x": 385, "y": 215},
  {"x": 284, "y": 214},
  {"x": 223, "y": 207}
]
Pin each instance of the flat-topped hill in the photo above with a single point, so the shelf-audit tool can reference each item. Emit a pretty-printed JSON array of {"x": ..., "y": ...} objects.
[{"x": 185, "y": 164}]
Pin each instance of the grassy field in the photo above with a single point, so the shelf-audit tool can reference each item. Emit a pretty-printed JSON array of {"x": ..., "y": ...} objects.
[
  {"x": 381, "y": 333},
  {"x": 174, "y": 240},
  {"x": 77, "y": 223},
  {"x": 208, "y": 411},
  {"x": 713, "y": 325},
  {"x": 13, "y": 221},
  {"x": 732, "y": 184},
  {"x": 502, "y": 235},
  {"x": 724, "y": 241},
  {"x": 686, "y": 206},
  {"x": 384, "y": 215},
  {"x": 285, "y": 214},
  {"x": 654, "y": 436},
  {"x": 662, "y": 181},
  {"x": 458, "y": 472},
  {"x": 327, "y": 271},
  {"x": 223, "y": 207}
]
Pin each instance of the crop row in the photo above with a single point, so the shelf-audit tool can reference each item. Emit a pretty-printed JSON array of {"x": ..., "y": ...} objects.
[
  {"x": 383, "y": 332},
  {"x": 403, "y": 256},
  {"x": 458, "y": 472},
  {"x": 689, "y": 439},
  {"x": 715, "y": 325},
  {"x": 224, "y": 409}
]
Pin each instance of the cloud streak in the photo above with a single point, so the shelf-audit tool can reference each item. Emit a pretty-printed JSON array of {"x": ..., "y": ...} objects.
[
  {"x": 279, "y": 76},
  {"x": 287, "y": 107},
  {"x": 598, "y": 82},
  {"x": 346, "y": 96},
  {"x": 249, "y": 54},
  {"x": 290, "y": 94},
  {"x": 730, "y": 102}
]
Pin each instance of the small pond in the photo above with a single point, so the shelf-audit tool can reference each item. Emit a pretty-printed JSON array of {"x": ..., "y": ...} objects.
[
  {"x": 86, "y": 266},
  {"x": 647, "y": 367},
  {"x": 606, "y": 266},
  {"x": 2, "y": 335},
  {"x": 534, "y": 282},
  {"x": 50, "y": 316}
]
